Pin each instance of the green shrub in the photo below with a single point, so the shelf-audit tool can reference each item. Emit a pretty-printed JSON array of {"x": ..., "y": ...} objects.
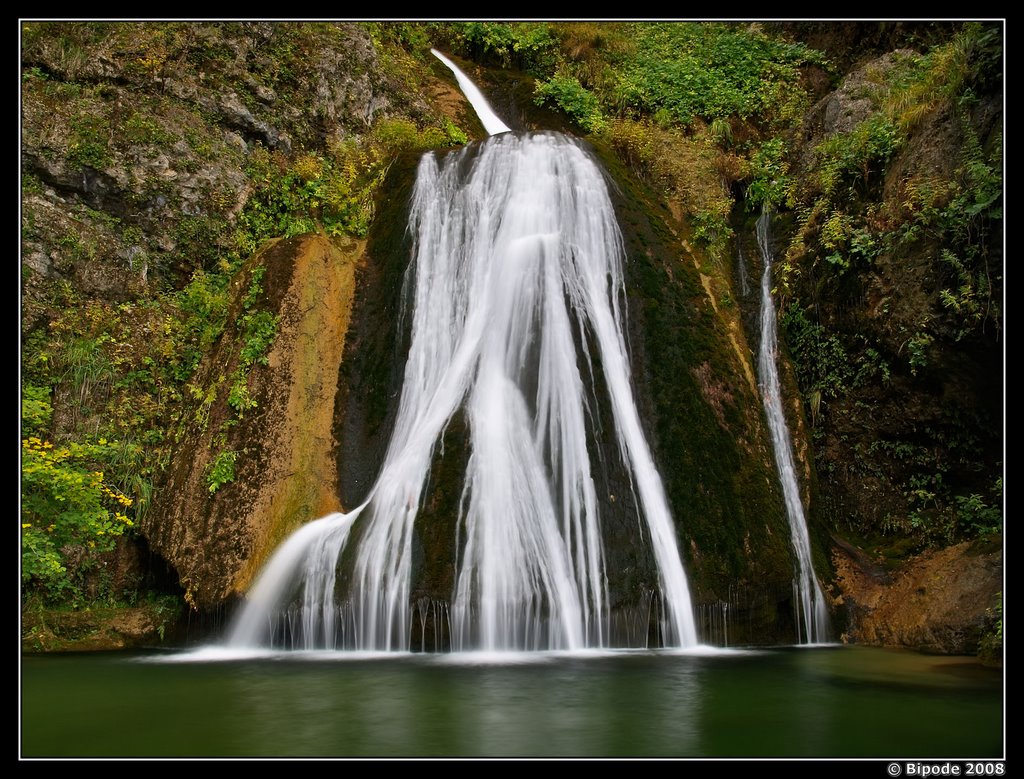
[
  {"x": 711, "y": 70},
  {"x": 221, "y": 471},
  {"x": 821, "y": 361},
  {"x": 579, "y": 104},
  {"x": 68, "y": 508},
  {"x": 526, "y": 46}
]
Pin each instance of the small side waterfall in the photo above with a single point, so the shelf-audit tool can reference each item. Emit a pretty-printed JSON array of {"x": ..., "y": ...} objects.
[
  {"x": 741, "y": 268},
  {"x": 812, "y": 618},
  {"x": 514, "y": 297}
]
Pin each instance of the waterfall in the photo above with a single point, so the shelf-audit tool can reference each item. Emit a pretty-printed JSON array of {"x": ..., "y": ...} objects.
[
  {"x": 811, "y": 612},
  {"x": 492, "y": 124},
  {"x": 514, "y": 297},
  {"x": 741, "y": 266}
]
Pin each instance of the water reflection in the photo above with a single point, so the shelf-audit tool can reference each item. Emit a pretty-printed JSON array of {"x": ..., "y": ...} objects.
[{"x": 823, "y": 702}]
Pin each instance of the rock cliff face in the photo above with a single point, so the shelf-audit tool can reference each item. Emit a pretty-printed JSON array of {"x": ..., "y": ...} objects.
[
  {"x": 932, "y": 409},
  {"x": 929, "y": 604},
  {"x": 281, "y": 451},
  {"x": 141, "y": 134}
]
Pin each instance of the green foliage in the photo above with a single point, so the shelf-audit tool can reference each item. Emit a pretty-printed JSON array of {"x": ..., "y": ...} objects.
[
  {"x": 333, "y": 191},
  {"x": 454, "y": 135},
  {"x": 528, "y": 46},
  {"x": 221, "y": 471},
  {"x": 89, "y": 145},
  {"x": 200, "y": 241},
  {"x": 864, "y": 245},
  {"x": 68, "y": 33},
  {"x": 112, "y": 367},
  {"x": 238, "y": 395},
  {"x": 948, "y": 215},
  {"x": 681, "y": 167},
  {"x": 34, "y": 72},
  {"x": 835, "y": 231},
  {"x": 68, "y": 509},
  {"x": 570, "y": 96},
  {"x": 411, "y": 36},
  {"x": 918, "y": 347},
  {"x": 676, "y": 73},
  {"x": 972, "y": 214},
  {"x": 851, "y": 158},
  {"x": 947, "y": 75},
  {"x": 83, "y": 364},
  {"x": 960, "y": 217},
  {"x": 971, "y": 299},
  {"x": 288, "y": 200},
  {"x": 990, "y": 648},
  {"x": 203, "y": 312},
  {"x": 392, "y": 136},
  {"x": 871, "y": 366},
  {"x": 255, "y": 290},
  {"x": 976, "y": 516},
  {"x": 770, "y": 183},
  {"x": 938, "y": 517},
  {"x": 823, "y": 366},
  {"x": 712, "y": 70},
  {"x": 259, "y": 329},
  {"x": 144, "y": 130},
  {"x": 36, "y": 410}
]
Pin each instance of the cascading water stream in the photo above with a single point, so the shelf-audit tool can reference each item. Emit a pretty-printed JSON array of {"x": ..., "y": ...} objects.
[
  {"x": 811, "y": 611},
  {"x": 492, "y": 124},
  {"x": 514, "y": 296}
]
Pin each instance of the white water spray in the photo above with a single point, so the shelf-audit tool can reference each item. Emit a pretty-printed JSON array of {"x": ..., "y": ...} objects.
[
  {"x": 516, "y": 276},
  {"x": 811, "y": 611}
]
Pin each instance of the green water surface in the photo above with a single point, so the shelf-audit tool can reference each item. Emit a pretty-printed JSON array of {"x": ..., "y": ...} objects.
[{"x": 832, "y": 702}]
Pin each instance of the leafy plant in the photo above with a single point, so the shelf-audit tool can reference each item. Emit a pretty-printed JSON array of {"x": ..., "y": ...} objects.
[
  {"x": 203, "y": 311},
  {"x": 221, "y": 470},
  {"x": 918, "y": 347},
  {"x": 852, "y": 157},
  {"x": 570, "y": 96},
  {"x": 89, "y": 146},
  {"x": 36, "y": 410},
  {"x": 67, "y": 507},
  {"x": 259, "y": 329},
  {"x": 770, "y": 183},
  {"x": 238, "y": 395},
  {"x": 333, "y": 191},
  {"x": 976, "y": 516},
  {"x": 990, "y": 648},
  {"x": 526, "y": 46},
  {"x": 712, "y": 70},
  {"x": 822, "y": 363}
]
